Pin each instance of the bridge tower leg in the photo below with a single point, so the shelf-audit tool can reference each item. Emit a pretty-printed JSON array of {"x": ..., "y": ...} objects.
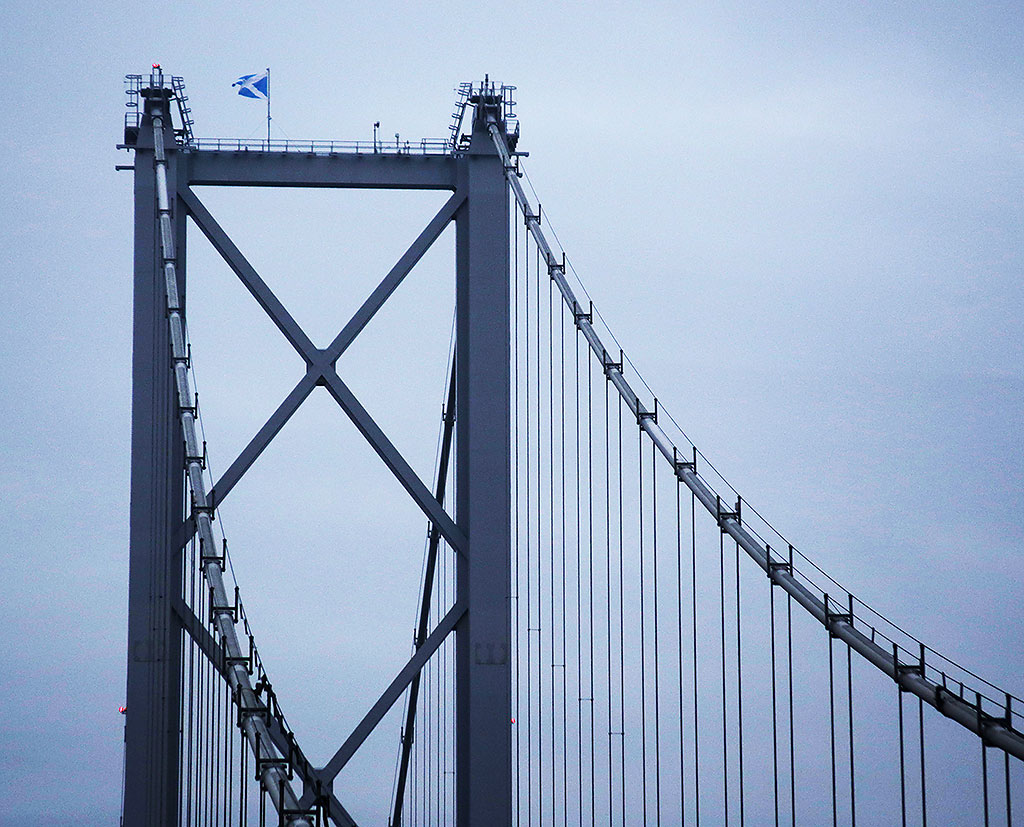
[
  {"x": 483, "y": 480},
  {"x": 156, "y": 511}
]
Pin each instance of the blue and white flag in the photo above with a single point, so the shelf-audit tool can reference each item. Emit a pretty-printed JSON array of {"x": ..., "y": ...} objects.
[{"x": 253, "y": 86}]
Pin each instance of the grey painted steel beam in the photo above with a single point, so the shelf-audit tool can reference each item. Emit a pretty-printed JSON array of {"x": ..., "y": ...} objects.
[
  {"x": 248, "y": 275},
  {"x": 320, "y": 362},
  {"x": 483, "y": 656},
  {"x": 244, "y": 461},
  {"x": 361, "y": 171},
  {"x": 409, "y": 728},
  {"x": 394, "y": 460},
  {"x": 201, "y": 635},
  {"x": 394, "y": 278},
  {"x": 371, "y": 432},
  {"x": 992, "y": 730},
  {"x": 392, "y": 693},
  {"x": 215, "y": 654}
]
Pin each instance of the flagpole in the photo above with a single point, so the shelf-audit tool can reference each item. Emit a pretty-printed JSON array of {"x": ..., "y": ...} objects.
[{"x": 268, "y": 109}]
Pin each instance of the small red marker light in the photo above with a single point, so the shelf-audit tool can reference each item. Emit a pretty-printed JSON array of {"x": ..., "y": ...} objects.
[
  {"x": 123, "y": 710},
  {"x": 513, "y": 720}
]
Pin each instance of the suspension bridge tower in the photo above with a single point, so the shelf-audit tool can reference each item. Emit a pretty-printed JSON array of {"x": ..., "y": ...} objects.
[{"x": 171, "y": 504}]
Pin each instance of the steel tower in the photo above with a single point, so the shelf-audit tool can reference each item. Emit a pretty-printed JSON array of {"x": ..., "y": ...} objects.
[{"x": 164, "y": 450}]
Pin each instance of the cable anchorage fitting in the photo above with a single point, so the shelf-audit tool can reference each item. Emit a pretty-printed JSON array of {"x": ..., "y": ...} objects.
[
  {"x": 721, "y": 516},
  {"x": 579, "y": 316},
  {"x": 985, "y": 719},
  {"x": 831, "y": 618},
  {"x": 681, "y": 465},
  {"x": 246, "y": 712},
  {"x": 641, "y": 414},
  {"x": 205, "y": 559},
  {"x": 528, "y": 217},
  {"x": 241, "y": 660},
  {"x": 184, "y": 405},
  {"x": 201, "y": 459},
  {"x": 185, "y": 360},
  {"x": 778, "y": 565},
  {"x": 232, "y": 609},
  {"x": 267, "y": 710},
  {"x": 273, "y": 761},
  {"x": 900, "y": 669},
  {"x": 207, "y": 508},
  {"x": 554, "y": 265},
  {"x": 608, "y": 365}
]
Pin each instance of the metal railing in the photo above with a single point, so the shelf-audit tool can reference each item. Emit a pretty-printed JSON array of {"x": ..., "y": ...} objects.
[{"x": 424, "y": 146}]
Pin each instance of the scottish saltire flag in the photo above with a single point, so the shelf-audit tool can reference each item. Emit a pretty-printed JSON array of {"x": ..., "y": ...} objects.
[{"x": 253, "y": 86}]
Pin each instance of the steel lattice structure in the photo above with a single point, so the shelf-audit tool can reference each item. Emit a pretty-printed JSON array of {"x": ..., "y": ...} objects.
[{"x": 493, "y": 603}]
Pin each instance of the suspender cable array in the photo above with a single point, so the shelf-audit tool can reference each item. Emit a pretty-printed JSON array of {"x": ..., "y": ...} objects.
[
  {"x": 272, "y": 766},
  {"x": 633, "y": 750},
  {"x": 996, "y": 732}
]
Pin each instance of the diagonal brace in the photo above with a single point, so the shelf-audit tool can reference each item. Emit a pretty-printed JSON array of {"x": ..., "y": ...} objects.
[
  {"x": 197, "y": 630},
  {"x": 212, "y": 650},
  {"x": 248, "y": 275},
  {"x": 392, "y": 693},
  {"x": 394, "y": 460},
  {"x": 263, "y": 437},
  {"x": 425, "y": 599},
  {"x": 390, "y": 283}
]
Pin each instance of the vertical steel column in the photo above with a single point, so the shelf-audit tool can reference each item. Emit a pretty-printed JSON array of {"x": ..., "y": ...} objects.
[
  {"x": 155, "y": 559},
  {"x": 483, "y": 650}
]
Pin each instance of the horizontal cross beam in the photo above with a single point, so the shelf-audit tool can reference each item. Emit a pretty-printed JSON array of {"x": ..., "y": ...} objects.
[
  {"x": 395, "y": 277},
  {"x": 342, "y": 170}
]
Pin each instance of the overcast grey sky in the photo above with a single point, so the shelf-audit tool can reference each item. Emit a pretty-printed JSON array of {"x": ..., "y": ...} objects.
[{"x": 804, "y": 225}]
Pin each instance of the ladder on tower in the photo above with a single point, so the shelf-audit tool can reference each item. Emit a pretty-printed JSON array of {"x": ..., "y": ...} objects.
[
  {"x": 462, "y": 94},
  {"x": 184, "y": 110}
]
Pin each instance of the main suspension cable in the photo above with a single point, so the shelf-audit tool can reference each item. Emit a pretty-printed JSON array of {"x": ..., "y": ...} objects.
[{"x": 273, "y": 777}]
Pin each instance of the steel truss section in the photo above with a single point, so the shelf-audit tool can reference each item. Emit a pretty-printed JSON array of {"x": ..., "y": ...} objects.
[{"x": 165, "y": 442}]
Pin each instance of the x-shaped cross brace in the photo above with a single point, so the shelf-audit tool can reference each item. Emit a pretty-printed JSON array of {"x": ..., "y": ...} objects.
[
  {"x": 320, "y": 370},
  {"x": 320, "y": 364}
]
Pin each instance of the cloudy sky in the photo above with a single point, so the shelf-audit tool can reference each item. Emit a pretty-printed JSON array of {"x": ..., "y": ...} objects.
[{"x": 803, "y": 224}]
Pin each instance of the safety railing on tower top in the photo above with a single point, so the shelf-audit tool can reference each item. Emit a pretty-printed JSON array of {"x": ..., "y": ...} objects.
[{"x": 424, "y": 146}]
